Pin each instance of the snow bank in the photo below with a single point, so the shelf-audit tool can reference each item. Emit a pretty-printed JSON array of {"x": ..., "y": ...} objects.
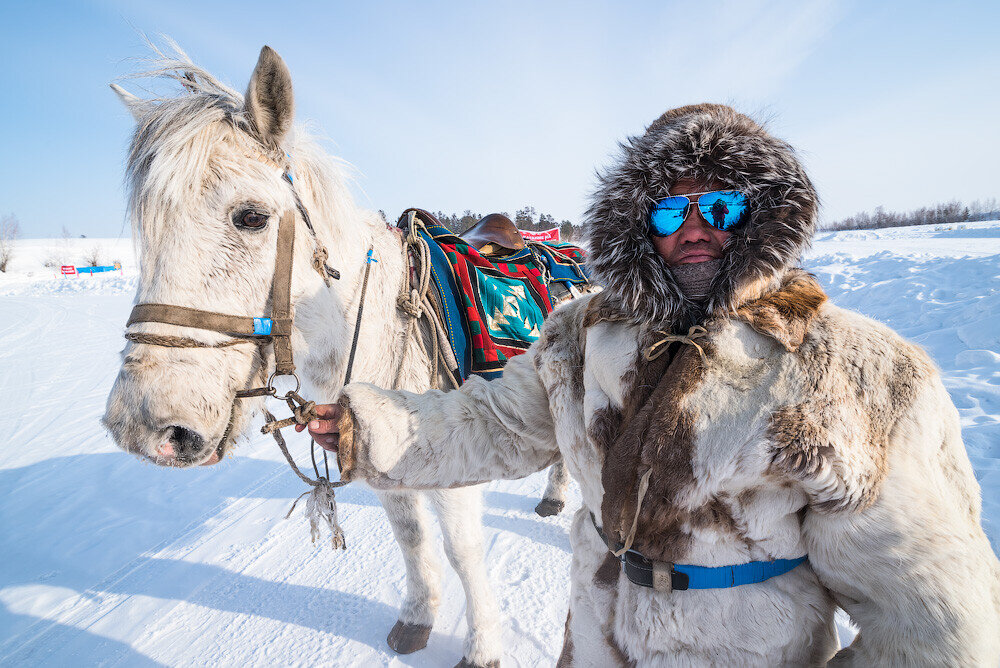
[{"x": 27, "y": 274}]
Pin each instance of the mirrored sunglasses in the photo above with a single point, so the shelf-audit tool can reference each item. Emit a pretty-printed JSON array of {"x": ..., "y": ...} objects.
[{"x": 723, "y": 209}]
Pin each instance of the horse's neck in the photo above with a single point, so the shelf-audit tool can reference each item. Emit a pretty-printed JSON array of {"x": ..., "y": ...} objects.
[{"x": 382, "y": 346}]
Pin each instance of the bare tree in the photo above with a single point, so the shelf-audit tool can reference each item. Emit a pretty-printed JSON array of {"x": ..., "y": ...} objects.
[
  {"x": 10, "y": 229},
  {"x": 94, "y": 257}
]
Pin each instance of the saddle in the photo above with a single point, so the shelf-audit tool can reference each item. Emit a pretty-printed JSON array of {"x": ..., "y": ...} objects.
[
  {"x": 492, "y": 290},
  {"x": 493, "y": 234}
]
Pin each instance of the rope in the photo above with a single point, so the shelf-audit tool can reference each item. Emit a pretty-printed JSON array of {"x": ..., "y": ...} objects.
[
  {"x": 416, "y": 303},
  {"x": 319, "y": 258},
  {"x": 302, "y": 412},
  {"x": 321, "y": 505},
  {"x": 167, "y": 341},
  {"x": 283, "y": 446},
  {"x": 696, "y": 332},
  {"x": 630, "y": 537}
]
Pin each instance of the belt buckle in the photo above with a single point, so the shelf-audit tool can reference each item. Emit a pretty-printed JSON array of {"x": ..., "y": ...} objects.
[
  {"x": 666, "y": 579},
  {"x": 663, "y": 576}
]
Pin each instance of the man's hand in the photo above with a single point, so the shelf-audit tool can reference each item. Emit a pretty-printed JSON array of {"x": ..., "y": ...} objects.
[{"x": 326, "y": 430}]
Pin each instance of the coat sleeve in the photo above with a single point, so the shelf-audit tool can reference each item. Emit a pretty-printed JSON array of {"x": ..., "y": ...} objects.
[
  {"x": 486, "y": 430},
  {"x": 895, "y": 534}
]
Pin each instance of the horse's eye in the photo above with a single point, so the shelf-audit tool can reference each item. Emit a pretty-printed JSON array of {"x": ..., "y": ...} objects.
[{"x": 250, "y": 219}]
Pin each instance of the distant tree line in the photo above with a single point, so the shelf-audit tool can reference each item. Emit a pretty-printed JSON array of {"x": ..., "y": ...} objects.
[
  {"x": 947, "y": 212},
  {"x": 525, "y": 219}
]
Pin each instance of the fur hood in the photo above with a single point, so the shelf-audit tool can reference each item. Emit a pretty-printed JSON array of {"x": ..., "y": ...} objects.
[{"x": 710, "y": 141}]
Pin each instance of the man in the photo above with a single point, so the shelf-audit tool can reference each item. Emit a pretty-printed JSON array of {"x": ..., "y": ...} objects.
[{"x": 756, "y": 455}]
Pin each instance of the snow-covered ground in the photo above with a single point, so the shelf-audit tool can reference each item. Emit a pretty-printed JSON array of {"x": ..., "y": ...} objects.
[
  {"x": 28, "y": 274},
  {"x": 110, "y": 561}
]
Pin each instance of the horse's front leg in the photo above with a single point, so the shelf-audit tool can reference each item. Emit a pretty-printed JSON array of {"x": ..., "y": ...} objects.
[
  {"x": 409, "y": 519},
  {"x": 554, "y": 499},
  {"x": 460, "y": 512}
]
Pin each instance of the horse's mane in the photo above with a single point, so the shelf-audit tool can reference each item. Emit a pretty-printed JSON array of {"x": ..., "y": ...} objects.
[{"x": 174, "y": 135}]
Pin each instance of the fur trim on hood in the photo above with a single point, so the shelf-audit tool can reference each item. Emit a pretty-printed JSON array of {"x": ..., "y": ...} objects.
[{"x": 709, "y": 141}]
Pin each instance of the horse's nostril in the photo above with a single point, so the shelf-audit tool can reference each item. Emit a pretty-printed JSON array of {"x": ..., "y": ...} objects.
[{"x": 187, "y": 443}]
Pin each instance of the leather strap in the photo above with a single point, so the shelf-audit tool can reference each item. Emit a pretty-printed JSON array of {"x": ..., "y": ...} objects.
[
  {"x": 639, "y": 570},
  {"x": 281, "y": 294},
  {"x": 667, "y": 577},
  {"x": 278, "y": 327},
  {"x": 234, "y": 325}
]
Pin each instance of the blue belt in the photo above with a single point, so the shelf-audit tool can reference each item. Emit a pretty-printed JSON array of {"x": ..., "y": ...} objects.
[{"x": 647, "y": 573}]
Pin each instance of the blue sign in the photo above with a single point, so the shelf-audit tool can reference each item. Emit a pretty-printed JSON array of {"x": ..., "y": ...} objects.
[{"x": 95, "y": 270}]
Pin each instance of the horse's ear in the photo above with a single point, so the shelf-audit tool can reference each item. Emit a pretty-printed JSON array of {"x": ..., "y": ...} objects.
[
  {"x": 269, "y": 100},
  {"x": 136, "y": 105}
]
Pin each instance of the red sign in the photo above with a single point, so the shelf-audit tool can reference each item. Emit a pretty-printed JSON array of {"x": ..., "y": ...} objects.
[
  {"x": 544, "y": 235},
  {"x": 68, "y": 270}
]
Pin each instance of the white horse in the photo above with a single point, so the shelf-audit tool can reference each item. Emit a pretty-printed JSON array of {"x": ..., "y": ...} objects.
[{"x": 206, "y": 190}]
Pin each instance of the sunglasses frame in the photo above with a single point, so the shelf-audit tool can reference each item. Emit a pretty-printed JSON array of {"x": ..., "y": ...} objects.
[{"x": 687, "y": 210}]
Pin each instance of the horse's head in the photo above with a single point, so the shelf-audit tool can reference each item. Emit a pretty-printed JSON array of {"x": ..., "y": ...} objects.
[{"x": 206, "y": 191}]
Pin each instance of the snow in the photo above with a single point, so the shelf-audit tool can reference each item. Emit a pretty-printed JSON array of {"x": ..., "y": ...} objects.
[
  {"x": 111, "y": 561},
  {"x": 27, "y": 274}
]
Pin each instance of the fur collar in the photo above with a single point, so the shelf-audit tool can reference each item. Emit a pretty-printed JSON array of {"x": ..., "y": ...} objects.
[{"x": 713, "y": 142}]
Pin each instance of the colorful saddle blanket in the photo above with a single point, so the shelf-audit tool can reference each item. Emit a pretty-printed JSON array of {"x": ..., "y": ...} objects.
[{"x": 493, "y": 306}]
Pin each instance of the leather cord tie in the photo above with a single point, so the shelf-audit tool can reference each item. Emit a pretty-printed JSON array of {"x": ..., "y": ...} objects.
[
  {"x": 302, "y": 413},
  {"x": 696, "y": 332},
  {"x": 319, "y": 258}
]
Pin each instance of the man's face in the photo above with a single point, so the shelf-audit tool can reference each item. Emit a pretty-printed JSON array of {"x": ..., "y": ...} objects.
[{"x": 696, "y": 240}]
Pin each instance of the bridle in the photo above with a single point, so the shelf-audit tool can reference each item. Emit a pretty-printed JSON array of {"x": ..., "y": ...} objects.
[{"x": 275, "y": 329}]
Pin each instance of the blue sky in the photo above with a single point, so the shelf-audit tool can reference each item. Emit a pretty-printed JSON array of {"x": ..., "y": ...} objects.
[{"x": 494, "y": 106}]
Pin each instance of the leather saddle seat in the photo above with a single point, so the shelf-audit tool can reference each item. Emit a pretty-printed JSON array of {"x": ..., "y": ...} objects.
[{"x": 494, "y": 234}]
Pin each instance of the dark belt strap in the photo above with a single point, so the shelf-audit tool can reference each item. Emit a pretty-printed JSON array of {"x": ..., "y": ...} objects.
[
  {"x": 667, "y": 577},
  {"x": 645, "y": 572}
]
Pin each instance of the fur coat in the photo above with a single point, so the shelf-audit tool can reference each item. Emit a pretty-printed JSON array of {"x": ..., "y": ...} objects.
[{"x": 788, "y": 427}]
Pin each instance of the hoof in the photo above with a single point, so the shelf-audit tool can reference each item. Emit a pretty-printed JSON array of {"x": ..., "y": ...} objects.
[
  {"x": 465, "y": 663},
  {"x": 408, "y": 638},
  {"x": 549, "y": 507}
]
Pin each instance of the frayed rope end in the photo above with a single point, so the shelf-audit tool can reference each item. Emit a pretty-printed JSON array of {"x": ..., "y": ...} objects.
[{"x": 321, "y": 508}]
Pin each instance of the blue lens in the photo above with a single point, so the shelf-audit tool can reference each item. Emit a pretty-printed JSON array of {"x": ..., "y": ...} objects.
[
  {"x": 724, "y": 209},
  {"x": 668, "y": 215}
]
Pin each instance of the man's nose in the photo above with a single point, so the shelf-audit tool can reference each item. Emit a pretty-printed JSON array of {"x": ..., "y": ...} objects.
[{"x": 694, "y": 229}]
